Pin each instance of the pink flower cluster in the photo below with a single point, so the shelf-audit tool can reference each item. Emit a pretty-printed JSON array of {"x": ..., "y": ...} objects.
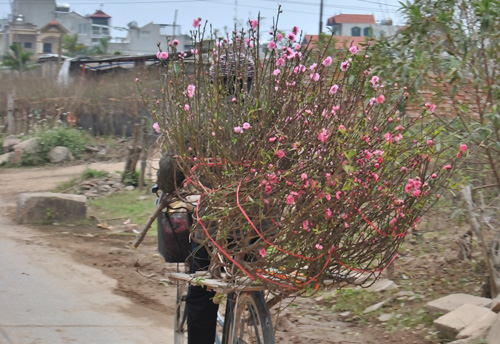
[{"x": 413, "y": 187}]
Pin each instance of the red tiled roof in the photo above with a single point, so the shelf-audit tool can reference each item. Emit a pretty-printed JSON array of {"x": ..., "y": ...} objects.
[
  {"x": 53, "y": 22},
  {"x": 351, "y": 19},
  {"x": 99, "y": 14},
  {"x": 341, "y": 42}
]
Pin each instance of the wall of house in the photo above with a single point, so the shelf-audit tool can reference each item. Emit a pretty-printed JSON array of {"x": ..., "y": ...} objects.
[
  {"x": 38, "y": 12},
  {"x": 76, "y": 24},
  {"x": 347, "y": 29}
]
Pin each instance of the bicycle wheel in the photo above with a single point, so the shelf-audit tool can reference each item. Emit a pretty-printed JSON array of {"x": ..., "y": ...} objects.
[
  {"x": 247, "y": 320},
  {"x": 180, "y": 320}
]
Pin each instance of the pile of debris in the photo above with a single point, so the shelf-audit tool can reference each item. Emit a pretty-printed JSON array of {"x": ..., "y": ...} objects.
[
  {"x": 467, "y": 319},
  {"x": 100, "y": 187}
]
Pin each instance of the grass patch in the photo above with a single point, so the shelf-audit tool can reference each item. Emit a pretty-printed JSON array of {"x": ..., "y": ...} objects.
[
  {"x": 122, "y": 206},
  {"x": 90, "y": 173}
]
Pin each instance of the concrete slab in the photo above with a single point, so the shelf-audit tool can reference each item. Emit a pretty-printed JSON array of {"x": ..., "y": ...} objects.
[
  {"x": 450, "y": 324},
  {"x": 451, "y": 302}
]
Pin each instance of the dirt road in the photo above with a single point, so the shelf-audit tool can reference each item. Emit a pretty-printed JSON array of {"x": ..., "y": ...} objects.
[{"x": 46, "y": 296}]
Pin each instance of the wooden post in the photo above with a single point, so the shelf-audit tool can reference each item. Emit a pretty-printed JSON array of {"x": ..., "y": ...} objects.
[
  {"x": 143, "y": 157},
  {"x": 476, "y": 226},
  {"x": 134, "y": 151},
  {"x": 11, "y": 123}
]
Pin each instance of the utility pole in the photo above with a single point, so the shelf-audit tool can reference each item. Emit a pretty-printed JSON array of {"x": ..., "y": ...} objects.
[
  {"x": 175, "y": 25},
  {"x": 321, "y": 17}
]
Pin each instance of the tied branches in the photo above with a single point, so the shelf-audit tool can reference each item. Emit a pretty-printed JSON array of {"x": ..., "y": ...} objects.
[{"x": 309, "y": 169}]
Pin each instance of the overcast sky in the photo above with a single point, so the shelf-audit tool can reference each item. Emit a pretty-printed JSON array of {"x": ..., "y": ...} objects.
[{"x": 221, "y": 13}]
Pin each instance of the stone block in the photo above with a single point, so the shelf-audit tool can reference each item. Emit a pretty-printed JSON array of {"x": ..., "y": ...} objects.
[
  {"x": 495, "y": 304},
  {"x": 59, "y": 154},
  {"x": 383, "y": 285},
  {"x": 449, "y": 325},
  {"x": 5, "y": 158},
  {"x": 9, "y": 143},
  {"x": 451, "y": 302},
  {"x": 494, "y": 334},
  {"x": 47, "y": 207},
  {"x": 479, "y": 328}
]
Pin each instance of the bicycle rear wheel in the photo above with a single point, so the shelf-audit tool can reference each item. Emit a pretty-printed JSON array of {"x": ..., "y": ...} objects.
[
  {"x": 247, "y": 319},
  {"x": 180, "y": 320}
]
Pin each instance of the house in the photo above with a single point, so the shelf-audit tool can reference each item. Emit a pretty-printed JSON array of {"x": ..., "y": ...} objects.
[
  {"x": 354, "y": 29},
  {"x": 354, "y": 25},
  {"x": 36, "y": 24},
  {"x": 361, "y": 25}
]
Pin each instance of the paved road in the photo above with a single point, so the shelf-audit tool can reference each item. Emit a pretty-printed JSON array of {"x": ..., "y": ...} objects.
[{"x": 47, "y": 298}]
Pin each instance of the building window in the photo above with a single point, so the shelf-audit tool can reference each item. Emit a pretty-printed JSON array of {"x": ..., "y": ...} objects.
[
  {"x": 83, "y": 28},
  {"x": 356, "y": 32},
  {"x": 367, "y": 32},
  {"x": 47, "y": 48},
  {"x": 27, "y": 45}
]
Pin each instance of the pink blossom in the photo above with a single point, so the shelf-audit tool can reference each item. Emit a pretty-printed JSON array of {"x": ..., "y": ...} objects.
[
  {"x": 136, "y": 79},
  {"x": 196, "y": 22},
  {"x": 295, "y": 30},
  {"x": 305, "y": 225},
  {"x": 299, "y": 68},
  {"x": 346, "y": 225},
  {"x": 388, "y": 137},
  {"x": 194, "y": 51},
  {"x": 315, "y": 76},
  {"x": 297, "y": 47},
  {"x": 246, "y": 126},
  {"x": 433, "y": 176},
  {"x": 328, "y": 61},
  {"x": 328, "y": 213},
  {"x": 353, "y": 49},
  {"x": 156, "y": 127},
  {"x": 290, "y": 199},
  {"x": 430, "y": 143},
  {"x": 280, "y": 62},
  {"x": 272, "y": 139},
  {"x": 303, "y": 176},
  {"x": 162, "y": 55},
  {"x": 175, "y": 42},
  {"x": 263, "y": 252},
  {"x": 374, "y": 81},
  {"x": 313, "y": 66},
  {"x": 323, "y": 135},
  {"x": 190, "y": 90},
  {"x": 280, "y": 154},
  {"x": 253, "y": 23},
  {"x": 334, "y": 89},
  {"x": 344, "y": 66},
  {"x": 463, "y": 148},
  {"x": 279, "y": 37},
  {"x": 186, "y": 107},
  {"x": 271, "y": 45},
  {"x": 338, "y": 194},
  {"x": 238, "y": 130},
  {"x": 431, "y": 107},
  {"x": 291, "y": 36},
  {"x": 380, "y": 99},
  {"x": 268, "y": 189},
  {"x": 276, "y": 71},
  {"x": 447, "y": 167},
  {"x": 233, "y": 99},
  {"x": 342, "y": 128},
  {"x": 319, "y": 246}
]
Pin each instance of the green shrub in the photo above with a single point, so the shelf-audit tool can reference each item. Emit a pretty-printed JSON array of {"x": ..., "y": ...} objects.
[
  {"x": 73, "y": 139},
  {"x": 90, "y": 173}
]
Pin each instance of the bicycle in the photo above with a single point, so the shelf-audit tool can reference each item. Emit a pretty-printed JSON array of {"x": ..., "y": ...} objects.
[{"x": 246, "y": 318}]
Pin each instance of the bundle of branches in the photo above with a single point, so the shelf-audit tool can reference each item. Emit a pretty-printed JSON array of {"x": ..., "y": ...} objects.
[{"x": 311, "y": 176}]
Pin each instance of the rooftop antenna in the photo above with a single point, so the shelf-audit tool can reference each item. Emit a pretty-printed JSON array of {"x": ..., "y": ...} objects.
[{"x": 235, "y": 12}]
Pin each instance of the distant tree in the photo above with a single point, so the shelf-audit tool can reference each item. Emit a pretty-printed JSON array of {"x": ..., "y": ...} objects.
[
  {"x": 103, "y": 47},
  {"x": 71, "y": 45},
  {"x": 18, "y": 58}
]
